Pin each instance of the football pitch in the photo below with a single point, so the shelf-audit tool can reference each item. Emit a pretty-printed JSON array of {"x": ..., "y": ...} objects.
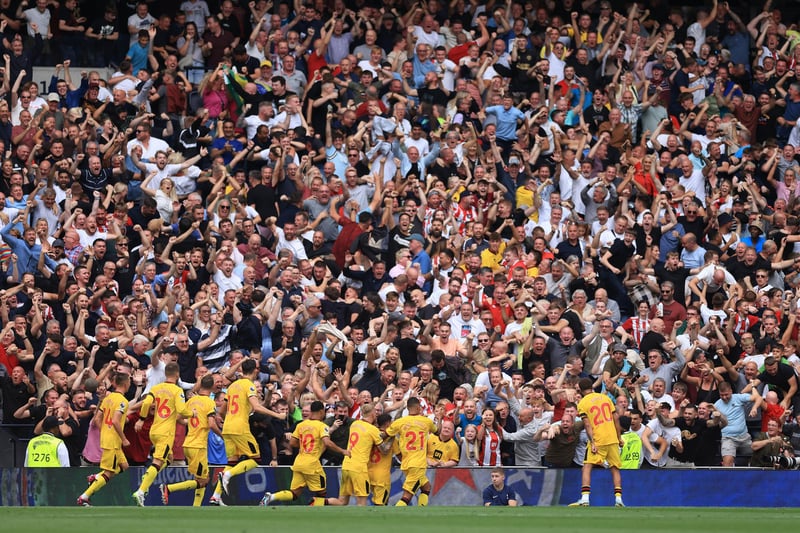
[{"x": 369, "y": 519}]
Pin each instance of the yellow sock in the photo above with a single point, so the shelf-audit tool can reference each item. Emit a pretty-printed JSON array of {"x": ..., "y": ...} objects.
[
  {"x": 98, "y": 483},
  {"x": 318, "y": 502},
  {"x": 422, "y": 499},
  {"x": 283, "y": 496},
  {"x": 401, "y": 503},
  {"x": 242, "y": 467},
  {"x": 183, "y": 485},
  {"x": 148, "y": 478},
  {"x": 198, "y": 496}
]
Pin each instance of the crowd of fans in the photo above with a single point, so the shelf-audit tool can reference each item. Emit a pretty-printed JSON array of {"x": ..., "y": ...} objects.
[{"x": 475, "y": 203}]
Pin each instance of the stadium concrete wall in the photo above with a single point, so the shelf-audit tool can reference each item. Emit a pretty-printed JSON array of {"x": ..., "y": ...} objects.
[{"x": 716, "y": 487}]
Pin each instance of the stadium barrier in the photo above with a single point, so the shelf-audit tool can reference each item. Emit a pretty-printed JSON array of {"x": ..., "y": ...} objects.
[{"x": 714, "y": 487}]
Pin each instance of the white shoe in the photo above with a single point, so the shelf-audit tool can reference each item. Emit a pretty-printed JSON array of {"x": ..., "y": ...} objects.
[
  {"x": 266, "y": 500},
  {"x": 138, "y": 497},
  {"x": 619, "y": 504},
  {"x": 216, "y": 501}
]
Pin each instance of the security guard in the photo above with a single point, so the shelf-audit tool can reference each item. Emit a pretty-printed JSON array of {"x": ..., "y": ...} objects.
[
  {"x": 47, "y": 450},
  {"x": 631, "y": 454}
]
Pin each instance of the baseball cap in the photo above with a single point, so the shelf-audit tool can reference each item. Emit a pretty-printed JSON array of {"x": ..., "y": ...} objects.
[
  {"x": 417, "y": 237},
  {"x": 619, "y": 347},
  {"x": 724, "y": 218},
  {"x": 266, "y": 63},
  {"x": 58, "y": 243},
  {"x": 50, "y": 422},
  {"x": 513, "y": 161},
  {"x": 53, "y": 97}
]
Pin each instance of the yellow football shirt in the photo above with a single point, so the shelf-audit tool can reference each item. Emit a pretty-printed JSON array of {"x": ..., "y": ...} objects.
[
  {"x": 363, "y": 437},
  {"x": 310, "y": 434},
  {"x": 526, "y": 198},
  {"x": 170, "y": 403},
  {"x": 197, "y": 435},
  {"x": 443, "y": 451},
  {"x": 412, "y": 432},
  {"x": 380, "y": 464},
  {"x": 113, "y": 403},
  {"x": 493, "y": 260},
  {"x": 237, "y": 419},
  {"x": 598, "y": 410}
]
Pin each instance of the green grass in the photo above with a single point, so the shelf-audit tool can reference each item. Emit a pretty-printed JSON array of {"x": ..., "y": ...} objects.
[{"x": 407, "y": 520}]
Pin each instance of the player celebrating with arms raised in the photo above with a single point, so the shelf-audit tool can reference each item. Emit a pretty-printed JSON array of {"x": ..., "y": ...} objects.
[
  {"x": 605, "y": 437},
  {"x": 412, "y": 432}
]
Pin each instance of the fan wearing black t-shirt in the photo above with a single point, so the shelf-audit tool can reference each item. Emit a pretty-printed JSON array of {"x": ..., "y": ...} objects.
[{"x": 614, "y": 261}]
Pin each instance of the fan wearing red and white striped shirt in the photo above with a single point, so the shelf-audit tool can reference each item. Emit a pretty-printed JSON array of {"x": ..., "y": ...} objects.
[{"x": 490, "y": 435}]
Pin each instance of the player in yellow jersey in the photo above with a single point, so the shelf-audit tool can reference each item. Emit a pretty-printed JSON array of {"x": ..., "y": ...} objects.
[
  {"x": 110, "y": 417},
  {"x": 311, "y": 436},
  {"x": 380, "y": 464},
  {"x": 605, "y": 438},
  {"x": 240, "y": 445},
  {"x": 195, "y": 447},
  {"x": 169, "y": 404},
  {"x": 412, "y": 432},
  {"x": 443, "y": 451},
  {"x": 364, "y": 438}
]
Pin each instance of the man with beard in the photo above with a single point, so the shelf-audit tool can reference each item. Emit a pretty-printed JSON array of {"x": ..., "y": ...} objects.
[
  {"x": 707, "y": 449},
  {"x": 564, "y": 439},
  {"x": 449, "y": 372},
  {"x": 692, "y": 429},
  {"x": 316, "y": 205},
  {"x": 317, "y": 247},
  {"x": 400, "y": 235},
  {"x": 779, "y": 377}
]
